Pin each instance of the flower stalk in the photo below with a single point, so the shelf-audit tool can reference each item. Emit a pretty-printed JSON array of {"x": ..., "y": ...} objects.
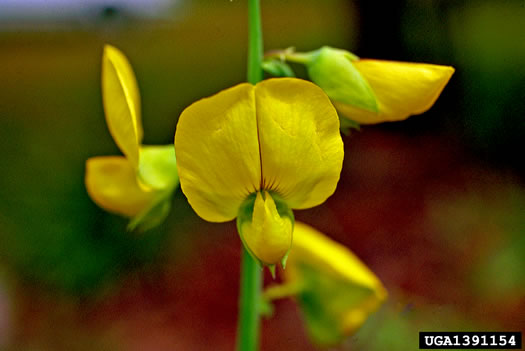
[
  {"x": 255, "y": 44},
  {"x": 249, "y": 316},
  {"x": 251, "y": 273}
]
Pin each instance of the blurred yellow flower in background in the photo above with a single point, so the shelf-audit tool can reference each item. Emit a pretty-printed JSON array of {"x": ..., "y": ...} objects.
[
  {"x": 257, "y": 151},
  {"x": 139, "y": 184},
  {"x": 335, "y": 290}
]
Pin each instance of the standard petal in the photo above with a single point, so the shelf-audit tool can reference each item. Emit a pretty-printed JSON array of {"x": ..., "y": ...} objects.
[
  {"x": 218, "y": 152},
  {"x": 301, "y": 147},
  {"x": 402, "y": 89},
  {"x": 111, "y": 183},
  {"x": 121, "y": 99}
]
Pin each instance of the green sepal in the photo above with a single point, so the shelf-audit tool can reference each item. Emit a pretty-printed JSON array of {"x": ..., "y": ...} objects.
[
  {"x": 271, "y": 268},
  {"x": 285, "y": 258},
  {"x": 333, "y": 70},
  {"x": 157, "y": 171},
  {"x": 282, "y": 207},
  {"x": 153, "y": 215},
  {"x": 278, "y": 68},
  {"x": 158, "y": 167}
]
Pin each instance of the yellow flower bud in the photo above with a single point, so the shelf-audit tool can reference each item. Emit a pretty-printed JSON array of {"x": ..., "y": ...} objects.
[{"x": 372, "y": 91}]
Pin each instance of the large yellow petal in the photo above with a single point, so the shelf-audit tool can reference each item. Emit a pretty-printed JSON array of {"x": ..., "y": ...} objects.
[
  {"x": 218, "y": 152},
  {"x": 300, "y": 142},
  {"x": 402, "y": 89},
  {"x": 121, "y": 99},
  {"x": 111, "y": 182},
  {"x": 338, "y": 291}
]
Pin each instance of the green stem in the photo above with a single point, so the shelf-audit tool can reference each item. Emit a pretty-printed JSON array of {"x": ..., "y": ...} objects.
[
  {"x": 255, "y": 48},
  {"x": 249, "y": 319},
  {"x": 251, "y": 272}
]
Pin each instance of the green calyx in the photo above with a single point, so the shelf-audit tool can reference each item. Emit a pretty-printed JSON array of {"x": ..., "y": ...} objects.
[
  {"x": 157, "y": 172},
  {"x": 333, "y": 70},
  {"x": 158, "y": 167}
]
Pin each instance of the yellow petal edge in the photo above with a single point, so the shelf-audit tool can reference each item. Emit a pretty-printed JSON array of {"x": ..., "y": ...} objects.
[
  {"x": 111, "y": 183},
  {"x": 402, "y": 89},
  {"x": 121, "y": 100}
]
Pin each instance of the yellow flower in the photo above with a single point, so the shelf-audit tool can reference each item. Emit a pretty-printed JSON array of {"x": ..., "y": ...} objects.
[
  {"x": 373, "y": 91},
  {"x": 335, "y": 290},
  {"x": 255, "y": 152},
  {"x": 402, "y": 89},
  {"x": 139, "y": 184}
]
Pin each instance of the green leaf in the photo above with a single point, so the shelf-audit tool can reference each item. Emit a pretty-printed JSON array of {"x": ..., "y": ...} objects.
[
  {"x": 333, "y": 71},
  {"x": 278, "y": 68},
  {"x": 158, "y": 167}
]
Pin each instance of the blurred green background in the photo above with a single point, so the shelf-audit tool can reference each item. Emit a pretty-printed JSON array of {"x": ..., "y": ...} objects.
[{"x": 434, "y": 205}]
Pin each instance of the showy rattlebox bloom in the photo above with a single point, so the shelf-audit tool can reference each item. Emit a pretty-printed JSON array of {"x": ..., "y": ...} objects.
[
  {"x": 257, "y": 151},
  {"x": 388, "y": 90},
  {"x": 139, "y": 184},
  {"x": 371, "y": 91},
  {"x": 335, "y": 290}
]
